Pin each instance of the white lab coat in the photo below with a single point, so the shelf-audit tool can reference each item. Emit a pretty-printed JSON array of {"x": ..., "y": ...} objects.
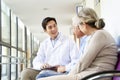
[{"x": 65, "y": 53}]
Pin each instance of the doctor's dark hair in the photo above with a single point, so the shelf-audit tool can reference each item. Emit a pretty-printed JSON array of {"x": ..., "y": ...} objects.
[
  {"x": 46, "y": 20},
  {"x": 90, "y": 17}
]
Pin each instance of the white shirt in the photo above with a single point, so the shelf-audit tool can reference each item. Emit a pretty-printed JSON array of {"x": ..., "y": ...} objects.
[{"x": 64, "y": 52}]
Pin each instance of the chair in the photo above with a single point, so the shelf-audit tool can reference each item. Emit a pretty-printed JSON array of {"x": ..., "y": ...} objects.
[{"x": 115, "y": 74}]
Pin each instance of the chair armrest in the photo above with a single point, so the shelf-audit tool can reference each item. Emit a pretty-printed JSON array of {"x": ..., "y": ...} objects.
[{"x": 103, "y": 74}]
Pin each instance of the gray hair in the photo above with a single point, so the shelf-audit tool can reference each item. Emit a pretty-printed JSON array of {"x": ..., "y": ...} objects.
[{"x": 90, "y": 17}]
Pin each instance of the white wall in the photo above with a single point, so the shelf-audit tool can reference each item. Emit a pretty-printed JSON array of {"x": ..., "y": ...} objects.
[
  {"x": 90, "y": 3},
  {"x": 109, "y": 10},
  {"x": 111, "y": 13}
]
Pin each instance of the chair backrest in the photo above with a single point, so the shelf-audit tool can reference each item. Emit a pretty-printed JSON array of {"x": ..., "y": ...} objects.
[
  {"x": 118, "y": 62},
  {"x": 117, "y": 66}
]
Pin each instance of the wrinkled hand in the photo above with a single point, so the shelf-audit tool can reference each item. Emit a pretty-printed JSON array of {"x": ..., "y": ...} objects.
[
  {"x": 61, "y": 69},
  {"x": 46, "y": 65}
]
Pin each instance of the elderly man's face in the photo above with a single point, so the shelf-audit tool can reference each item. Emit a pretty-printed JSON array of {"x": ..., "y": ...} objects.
[{"x": 78, "y": 32}]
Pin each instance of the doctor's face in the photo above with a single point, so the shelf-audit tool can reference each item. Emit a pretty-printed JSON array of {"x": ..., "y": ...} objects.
[{"x": 51, "y": 29}]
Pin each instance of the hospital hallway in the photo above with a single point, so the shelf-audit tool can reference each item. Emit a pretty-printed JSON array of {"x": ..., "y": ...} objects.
[{"x": 21, "y": 33}]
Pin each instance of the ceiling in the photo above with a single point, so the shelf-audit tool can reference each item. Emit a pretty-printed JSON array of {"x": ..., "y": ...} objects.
[{"x": 32, "y": 12}]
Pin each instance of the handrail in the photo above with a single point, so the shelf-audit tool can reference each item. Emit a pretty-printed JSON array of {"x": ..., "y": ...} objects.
[{"x": 103, "y": 74}]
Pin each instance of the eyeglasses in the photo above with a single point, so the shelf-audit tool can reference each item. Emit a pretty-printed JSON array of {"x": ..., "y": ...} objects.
[{"x": 81, "y": 23}]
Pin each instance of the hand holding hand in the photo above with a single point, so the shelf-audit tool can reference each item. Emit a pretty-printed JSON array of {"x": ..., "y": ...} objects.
[
  {"x": 46, "y": 65},
  {"x": 61, "y": 69}
]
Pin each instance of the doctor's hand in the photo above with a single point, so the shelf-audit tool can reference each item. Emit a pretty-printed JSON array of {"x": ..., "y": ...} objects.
[
  {"x": 61, "y": 69},
  {"x": 46, "y": 65}
]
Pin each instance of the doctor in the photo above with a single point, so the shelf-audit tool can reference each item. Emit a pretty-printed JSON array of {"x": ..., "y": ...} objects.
[{"x": 57, "y": 50}]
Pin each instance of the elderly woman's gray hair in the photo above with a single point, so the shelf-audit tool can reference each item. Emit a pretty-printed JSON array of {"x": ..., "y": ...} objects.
[{"x": 91, "y": 18}]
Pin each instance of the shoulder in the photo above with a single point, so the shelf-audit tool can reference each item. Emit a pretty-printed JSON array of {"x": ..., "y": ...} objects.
[
  {"x": 65, "y": 38},
  {"x": 102, "y": 34}
]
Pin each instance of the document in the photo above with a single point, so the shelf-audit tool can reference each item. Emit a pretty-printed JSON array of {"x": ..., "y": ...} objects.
[{"x": 54, "y": 68}]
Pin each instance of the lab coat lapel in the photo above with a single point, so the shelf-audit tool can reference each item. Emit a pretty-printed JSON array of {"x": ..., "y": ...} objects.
[
  {"x": 50, "y": 44},
  {"x": 58, "y": 43}
]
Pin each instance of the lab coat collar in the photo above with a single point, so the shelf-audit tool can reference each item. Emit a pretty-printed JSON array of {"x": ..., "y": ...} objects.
[{"x": 58, "y": 39}]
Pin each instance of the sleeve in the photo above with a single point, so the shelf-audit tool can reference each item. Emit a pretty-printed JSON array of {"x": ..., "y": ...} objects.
[
  {"x": 74, "y": 55},
  {"x": 94, "y": 46},
  {"x": 39, "y": 59}
]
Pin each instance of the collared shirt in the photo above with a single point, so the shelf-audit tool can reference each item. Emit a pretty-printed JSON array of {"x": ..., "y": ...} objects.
[
  {"x": 83, "y": 42},
  {"x": 64, "y": 53},
  {"x": 55, "y": 40}
]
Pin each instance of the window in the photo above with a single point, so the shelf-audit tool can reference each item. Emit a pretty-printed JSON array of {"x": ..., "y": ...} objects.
[
  {"x": 28, "y": 48},
  {"x": 13, "y": 63},
  {"x": 5, "y": 63},
  {"x": 21, "y": 35},
  {"x": 5, "y": 13},
  {"x": 13, "y": 30}
]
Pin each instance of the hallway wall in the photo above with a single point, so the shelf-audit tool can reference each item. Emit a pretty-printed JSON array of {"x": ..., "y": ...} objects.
[{"x": 111, "y": 13}]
